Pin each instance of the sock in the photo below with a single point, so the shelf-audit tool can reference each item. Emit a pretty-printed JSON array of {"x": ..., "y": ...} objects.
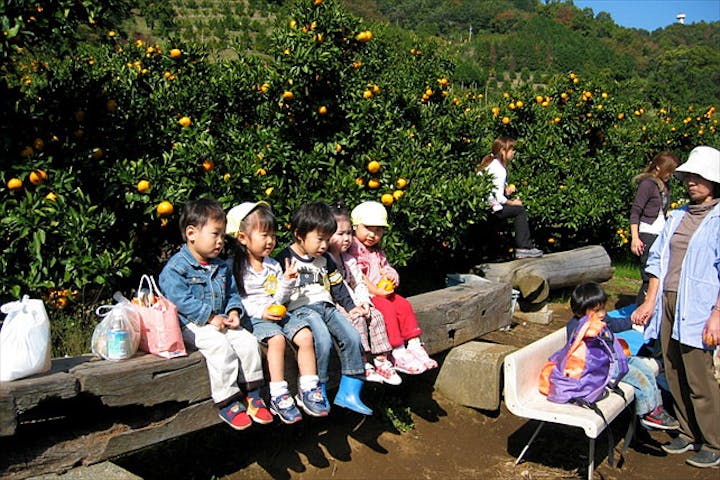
[
  {"x": 414, "y": 343},
  {"x": 278, "y": 388},
  {"x": 254, "y": 394},
  {"x": 308, "y": 382}
]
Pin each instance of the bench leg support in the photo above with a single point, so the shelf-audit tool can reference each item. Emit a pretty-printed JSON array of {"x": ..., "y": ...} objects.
[
  {"x": 537, "y": 430},
  {"x": 591, "y": 459}
]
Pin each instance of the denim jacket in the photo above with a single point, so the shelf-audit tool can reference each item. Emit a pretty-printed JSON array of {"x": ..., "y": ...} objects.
[
  {"x": 198, "y": 291},
  {"x": 699, "y": 277}
]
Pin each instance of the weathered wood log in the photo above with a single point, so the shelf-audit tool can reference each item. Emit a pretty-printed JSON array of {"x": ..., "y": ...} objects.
[
  {"x": 534, "y": 277},
  {"x": 87, "y": 410}
]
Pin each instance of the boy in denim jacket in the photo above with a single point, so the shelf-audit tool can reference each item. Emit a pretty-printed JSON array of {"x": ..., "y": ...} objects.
[{"x": 209, "y": 309}]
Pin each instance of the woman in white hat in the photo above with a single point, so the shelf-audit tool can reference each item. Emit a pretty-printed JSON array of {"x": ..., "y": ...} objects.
[{"x": 682, "y": 307}]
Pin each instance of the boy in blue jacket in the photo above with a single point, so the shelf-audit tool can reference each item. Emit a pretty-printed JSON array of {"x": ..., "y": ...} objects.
[{"x": 209, "y": 309}]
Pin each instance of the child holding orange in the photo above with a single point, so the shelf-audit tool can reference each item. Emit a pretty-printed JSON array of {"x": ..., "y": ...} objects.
[
  {"x": 264, "y": 288},
  {"x": 368, "y": 321},
  {"x": 369, "y": 220}
]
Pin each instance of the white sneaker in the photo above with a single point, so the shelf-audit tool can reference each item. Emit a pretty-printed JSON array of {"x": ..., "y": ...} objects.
[
  {"x": 384, "y": 368},
  {"x": 371, "y": 375}
]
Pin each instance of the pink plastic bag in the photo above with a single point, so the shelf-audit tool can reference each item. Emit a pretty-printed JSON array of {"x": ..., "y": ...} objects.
[{"x": 160, "y": 332}]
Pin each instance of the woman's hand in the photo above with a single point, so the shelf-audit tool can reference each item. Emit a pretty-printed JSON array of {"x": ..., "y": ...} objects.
[
  {"x": 642, "y": 314},
  {"x": 514, "y": 201},
  {"x": 711, "y": 332},
  {"x": 637, "y": 246}
]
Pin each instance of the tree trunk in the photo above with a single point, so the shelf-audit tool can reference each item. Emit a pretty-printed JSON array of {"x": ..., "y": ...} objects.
[{"x": 535, "y": 277}]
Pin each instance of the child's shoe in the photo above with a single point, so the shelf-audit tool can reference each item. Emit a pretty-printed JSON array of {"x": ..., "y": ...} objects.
[
  {"x": 405, "y": 362},
  {"x": 385, "y": 369},
  {"x": 371, "y": 375},
  {"x": 313, "y": 402},
  {"x": 659, "y": 419},
  {"x": 284, "y": 407},
  {"x": 234, "y": 414},
  {"x": 422, "y": 356},
  {"x": 257, "y": 410}
]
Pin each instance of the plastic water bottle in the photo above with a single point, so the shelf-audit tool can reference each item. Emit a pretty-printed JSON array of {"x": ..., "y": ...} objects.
[{"x": 118, "y": 341}]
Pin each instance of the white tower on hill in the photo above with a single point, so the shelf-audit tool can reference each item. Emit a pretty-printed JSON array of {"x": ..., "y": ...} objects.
[{"x": 680, "y": 18}]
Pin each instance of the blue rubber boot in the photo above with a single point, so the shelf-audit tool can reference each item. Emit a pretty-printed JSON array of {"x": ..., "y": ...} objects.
[{"x": 348, "y": 395}]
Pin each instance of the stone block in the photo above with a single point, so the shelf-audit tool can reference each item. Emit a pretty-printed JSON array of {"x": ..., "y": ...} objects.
[{"x": 471, "y": 374}]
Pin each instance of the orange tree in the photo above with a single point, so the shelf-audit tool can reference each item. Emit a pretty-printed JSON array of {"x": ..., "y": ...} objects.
[{"x": 110, "y": 138}]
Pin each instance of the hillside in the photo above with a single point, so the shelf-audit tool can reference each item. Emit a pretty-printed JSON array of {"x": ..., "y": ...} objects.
[{"x": 489, "y": 41}]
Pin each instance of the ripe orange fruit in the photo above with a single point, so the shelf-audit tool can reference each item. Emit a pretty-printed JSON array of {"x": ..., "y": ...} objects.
[
  {"x": 373, "y": 166},
  {"x": 98, "y": 153},
  {"x": 143, "y": 186},
  {"x": 373, "y": 183},
  {"x": 397, "y": 194},
  {"x": 360, "y": 181},
  {"x": 387, "y": 199},
  {"x": 268, "y": 191},
  {"x": 111, "y": 105},
  {"x": 261, "y": 172},
  {"x": 37, "y": 177},
  {"x": 227, "y": 177},
  {"x": 551, "y": 240},
  {"x": 318, "y": 2},
  {"x": 288, "y": 95},
  {"x": 14, "y": 184},
  {"x": 38, "y": 144},
  {"x": 505, "y": 120},
  {"x": 185, "y": 122},
  {"x": 51, "y": 196},
  {"x": 208, "y": 165},
  {"x": 367, "y": 94},
  {"x": 165, "y": 208},
  {"x": 386, "y": 285},
  {"x": 338, "y": 148},
  {"x": 375, "y": 88},
  {"x": 278, "y": 310},
  {"x": 27, "y": 151},
  {"x": 401, "y": 182},
  {"x": 322, "y": 110},
  {"x": 175, "y": 53}
]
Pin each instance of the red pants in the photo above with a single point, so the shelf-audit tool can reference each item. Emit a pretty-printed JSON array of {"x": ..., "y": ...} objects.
[{"x": 400, "y": 320}]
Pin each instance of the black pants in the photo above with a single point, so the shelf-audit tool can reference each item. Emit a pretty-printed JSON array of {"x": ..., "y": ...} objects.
[
  {"x": 648, "y": 239},
  {"x": 522, "y": 228}
]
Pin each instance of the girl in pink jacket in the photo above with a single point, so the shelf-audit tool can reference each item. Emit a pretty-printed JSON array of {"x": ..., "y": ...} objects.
[{"x": 369, "y": 220}]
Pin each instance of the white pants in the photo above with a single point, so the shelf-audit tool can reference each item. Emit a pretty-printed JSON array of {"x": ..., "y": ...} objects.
[{"x": 232, "y": 357}]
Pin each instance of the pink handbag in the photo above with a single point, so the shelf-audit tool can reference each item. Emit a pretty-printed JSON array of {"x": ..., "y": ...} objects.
[{"x": 160, "y": 332}]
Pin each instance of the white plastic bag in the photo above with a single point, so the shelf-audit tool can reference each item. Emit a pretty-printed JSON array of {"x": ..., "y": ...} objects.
[
  {"x": 24, "y": 340},
  {"x": 117, "y": 336}
]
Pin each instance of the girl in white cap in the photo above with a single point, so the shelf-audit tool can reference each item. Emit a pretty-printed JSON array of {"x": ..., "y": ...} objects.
[
  {"x": 369, "y": 220},
  {"x": 682, "y": 307},
  {"x": 369, "y": 322},
  {"x": 264, "y": 290}
]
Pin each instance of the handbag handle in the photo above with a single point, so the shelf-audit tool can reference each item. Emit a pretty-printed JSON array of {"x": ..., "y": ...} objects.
[{"x": 151, "y": 285}]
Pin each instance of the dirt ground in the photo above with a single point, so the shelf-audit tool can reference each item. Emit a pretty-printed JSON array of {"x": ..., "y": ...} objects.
[{"x": 447, "y": 441}]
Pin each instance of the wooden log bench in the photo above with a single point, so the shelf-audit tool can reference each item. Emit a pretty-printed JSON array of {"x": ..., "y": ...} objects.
[{"x": 87, "y": 410}]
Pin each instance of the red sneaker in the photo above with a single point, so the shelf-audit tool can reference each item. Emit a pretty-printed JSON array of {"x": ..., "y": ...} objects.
[
  {"x": 235, "y": 415},
  {"x": 257, "y": 410}
]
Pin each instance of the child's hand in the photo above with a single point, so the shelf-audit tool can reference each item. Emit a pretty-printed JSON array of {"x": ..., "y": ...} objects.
[
  {"x": 379, "y": 291},
  {"x": 274, "y": 312},
  {"x": 510, "y": 189},
  {"x": 514, "y": 201},
  {"x": 356, "y": 312},
  {"x": 218, "y": 322},
  {"x": 232, "y": 321},
  {"x": 290, "y": 268}
]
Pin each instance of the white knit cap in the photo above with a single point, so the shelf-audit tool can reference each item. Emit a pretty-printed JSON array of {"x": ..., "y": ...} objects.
[{"x": 372, "y": 214}]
